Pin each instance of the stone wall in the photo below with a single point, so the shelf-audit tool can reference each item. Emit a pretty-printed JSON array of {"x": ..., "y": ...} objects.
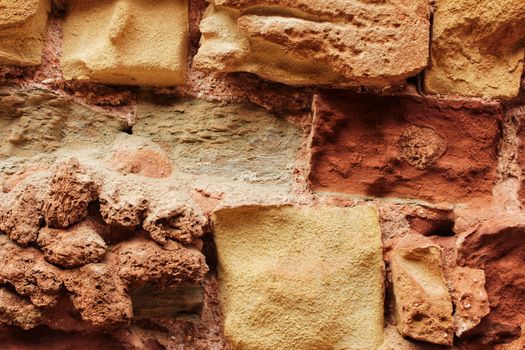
[{"x": 262, "y": 174}]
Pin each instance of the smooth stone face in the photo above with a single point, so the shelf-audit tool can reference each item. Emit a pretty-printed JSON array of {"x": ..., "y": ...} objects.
[
  {"x": 23, "y": 26},
  {"x": 300, "y": 278},
  {"x": 477, "y": 48},
  {"x": 131, "y": 42},
  {"x": 304, "y": 42},
  {"x": 423, "y": 306},
  {"x": 404, "y": 147}
]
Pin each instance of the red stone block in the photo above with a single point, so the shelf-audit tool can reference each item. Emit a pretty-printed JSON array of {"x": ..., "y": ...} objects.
[{"x": 404, "y": 146}]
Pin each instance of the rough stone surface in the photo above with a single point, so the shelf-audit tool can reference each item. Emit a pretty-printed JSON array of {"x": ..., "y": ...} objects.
[
  {"x": 72, "y": 247},
  {"x": 301, "y": 42},
  {"x": 423, "y": 305},
  {"x": 239, "y": 141},
  {"x": 23, "y": 25},
  {"x": 300, "y": 278},
  {"x": 477, "y": 48},
  {"x": 69, "y": 195},
  {"x": 144, "y": 261},
  {"x": 17, "y": 311},
  {"x": 408, "y": 147},
  {"x": 497, "y": 247},
  {"x": 126, "y": 41},
  {"x": 467, "y": 289}
]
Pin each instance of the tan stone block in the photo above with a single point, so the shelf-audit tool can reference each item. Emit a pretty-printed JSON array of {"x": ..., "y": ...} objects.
[
  {"x": 23, "y": 26},
  {"x": 300, "y": 278},
  {"x": 301, "y": 42},
  {"x": 423, "y": 306},
  {"x": 130, "y": 42},
  {"x": 477, "y": 48}
]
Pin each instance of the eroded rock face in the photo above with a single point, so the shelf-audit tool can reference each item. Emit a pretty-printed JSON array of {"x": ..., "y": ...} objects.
[
  {"x": 300, "y": 278},
  {"x": 498, "y": 247},
  {"x": 477, "y": 48},
  {"x": 408, "y": 147},
  {"x": 23, "y": 25},
  {"x": 126, "y": 41},
  {"x": 423, "y": 305},
  {"x": 76, "y": 246},
  {"x": 301, "y": 42},
  {"x": 17, "y": 311}
]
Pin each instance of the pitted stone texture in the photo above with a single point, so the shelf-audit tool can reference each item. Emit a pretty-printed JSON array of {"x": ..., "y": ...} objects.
[
  {"x": 99, "y": 295},
  {"x": 300, "y": 278},
  {"x": 237, "y": 141},
  {"x": 130, "y": 42},
  {"x": 17, "y": 311},
  {"x": 301, "y": 42},
  {"x": 38, "y": 121},
  {"x": 71, "y": 190},
  {"x": 72, "y": 247},
  {"x": 404, "y": 146},
  {"x": 423, "y": 306},
  {"x": 498, "y": 247},
  {"x": 23, "y": 25},
  {"x": 467, "y": 288},
  {"x": 477, "y": 48},
  {"x": 28, "y": 272},
  {"x": 144, "y": 261}
]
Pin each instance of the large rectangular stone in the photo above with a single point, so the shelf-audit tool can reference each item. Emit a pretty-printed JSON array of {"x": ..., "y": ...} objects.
[
  {"x": 300, "y": 278},
  {"x": 410, "y": 147}
]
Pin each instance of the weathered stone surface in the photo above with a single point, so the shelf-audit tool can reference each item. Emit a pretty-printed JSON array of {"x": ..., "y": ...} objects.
[
  {"x": 71, "y": 190},
  {"x": 300, "y": 278},
  {"x": 131, "y": 42},
  {"x": 477, "y": 48},
  {"x": 35, "y": 121},
  {"x": 22, "y": 31},
  {"x": 411, "y": 147},
  {"x": 144, "y": 261},
  {"x": 423, "y": 306},
  {"x": 17, "y": 311},
  {"x": 467, "y": 288},
  {"x": 300, "y": 42},
  {"x": 72, "y": 247},
  {"x": 497, "y": 247},
  {"x": 237, "y": 141},
  {"x": 28, "y": 272},
  {"x": 99, "y": 295}
]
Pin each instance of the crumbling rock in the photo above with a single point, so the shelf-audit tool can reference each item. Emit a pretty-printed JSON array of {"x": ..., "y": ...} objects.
[
  {"x": 99, "y": 295},
  {"x": 143, "y": 261},
  {"x": 121, "y": 206},
  {"x": 72, "y": 247},
  {"x": 18, "y": 311},
  {"x": 423, "y": 306},
  {"x": 23, "y": 26},
  {"x": 301, "y": 42},
  {"x": 27, "y": 271},
  {"x": 71, "y": 190}
]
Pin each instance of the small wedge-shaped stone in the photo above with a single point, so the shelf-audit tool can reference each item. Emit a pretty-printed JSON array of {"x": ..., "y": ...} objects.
[
  {"x": 300, "y": 278},
  {"x": 423, "y": 304},
  {"x": 477, "y": 48},
  {"x": 131, "y": 42},
  {"x": 302, "y": 42},
  {"x": 23, "y": 26}
]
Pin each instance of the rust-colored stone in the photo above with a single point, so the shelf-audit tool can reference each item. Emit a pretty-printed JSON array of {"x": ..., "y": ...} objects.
[{"x": 409, "y": 147}]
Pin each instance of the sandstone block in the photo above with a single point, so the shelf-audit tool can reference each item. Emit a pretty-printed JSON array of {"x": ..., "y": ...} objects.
[
  {"x": 408, "y": 147},
  {"x": 300, "y": 278},
  {"x": 301, "y": 42},
  {"x": 130, "y": 42},
  {"x": 423, "y": 306},
  {"x": 73, "y": 247},
  {"x": 23, "y": 26},
  {"x": 477, "y": 48},
  {"x": 17, "y": 311},
  {"x": 236, "y": 141}
]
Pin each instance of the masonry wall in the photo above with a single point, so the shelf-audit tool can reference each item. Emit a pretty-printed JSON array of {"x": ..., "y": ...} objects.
[{"x": 262, "y": 174}]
